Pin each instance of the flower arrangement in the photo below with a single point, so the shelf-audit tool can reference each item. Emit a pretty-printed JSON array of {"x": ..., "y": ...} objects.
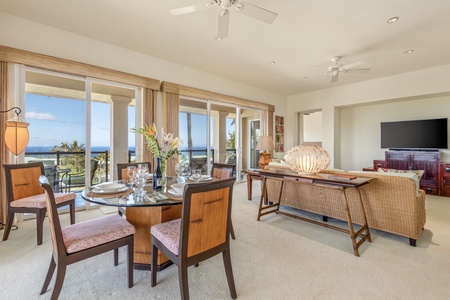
[{"x": 165, "y": 148}]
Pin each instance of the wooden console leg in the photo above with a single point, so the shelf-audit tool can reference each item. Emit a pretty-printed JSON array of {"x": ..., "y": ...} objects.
[{"x": 249, "y": 186}]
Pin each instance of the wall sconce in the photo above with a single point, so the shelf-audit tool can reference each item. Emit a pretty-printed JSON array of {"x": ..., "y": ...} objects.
[
  {"x": 16, "y": 133},
  {"x": 264, "y": 145}
]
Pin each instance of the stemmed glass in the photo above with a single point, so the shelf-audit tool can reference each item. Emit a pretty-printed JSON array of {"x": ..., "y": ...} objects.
[
  {"x": 131, "y": 172},
  {"x": 185, "y": 172},
  {"x": 178, "y": 168},
  {"x": 141, "y": 175},
  {"x": 196, "y": 175}
]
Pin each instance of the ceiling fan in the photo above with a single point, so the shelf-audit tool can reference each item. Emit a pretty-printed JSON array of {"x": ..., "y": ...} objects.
[
  {"x": 337, "y": 68},
  {"x": 248, "y": 9}
]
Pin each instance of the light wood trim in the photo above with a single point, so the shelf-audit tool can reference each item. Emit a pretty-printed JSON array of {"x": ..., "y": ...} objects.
[
  {"x": 25, "y": 183},
  {"x": 183, "y": 90},
  {"x": 52, "y": 63}
]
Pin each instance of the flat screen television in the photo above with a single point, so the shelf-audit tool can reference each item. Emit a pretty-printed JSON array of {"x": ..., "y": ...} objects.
[{"x": 417, "y": 134}]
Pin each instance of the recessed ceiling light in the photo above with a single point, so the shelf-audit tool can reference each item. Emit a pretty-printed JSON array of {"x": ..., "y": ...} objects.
[
  {"x": 393, "y": 20},
  {"x": 271, "y": 62},
  {"x": 305, "y": 78},
  {"x": 408, "y": 51},
  {"x": 218, "y": 38}
]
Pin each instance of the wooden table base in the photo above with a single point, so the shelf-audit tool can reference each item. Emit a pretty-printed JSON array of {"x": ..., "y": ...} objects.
[{"x": 143, "y": 218}]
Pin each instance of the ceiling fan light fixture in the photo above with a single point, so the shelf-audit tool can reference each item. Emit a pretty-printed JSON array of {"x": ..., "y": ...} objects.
[{"x": 392, "y": 20}]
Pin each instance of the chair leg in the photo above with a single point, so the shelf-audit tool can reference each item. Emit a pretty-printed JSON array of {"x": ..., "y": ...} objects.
[
  {"x": 40, "y": 218},
  {"x": 8, "y": 225},
  {"x": 229, "y": 272},
  {"x": 50, "y": 271},
  {"x": 130, "y": 262},
  {"x": 232, "y": 231},
  {"x": 183, "y": 278},
  {"x": 72, "y": 212},
  {"x": 116, "y": 256},
  {"x": 60, "y": 274},
  {"x": 154, "y": 263}
]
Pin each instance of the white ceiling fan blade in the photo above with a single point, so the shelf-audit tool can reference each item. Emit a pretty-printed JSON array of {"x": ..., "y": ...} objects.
[
  {"x": 191, "y": 8},
  {"x": 351, "y": 65},
  {"x": 358, "y": 70},
  {"x": 256, "y": 12},
  {"x": 224, "y": 20},
  {"x": 335, "y": 76}
]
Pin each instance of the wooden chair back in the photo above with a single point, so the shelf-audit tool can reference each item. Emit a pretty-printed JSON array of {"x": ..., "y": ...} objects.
[
  {"x": 22, "y": 180},
  {"x": 53, "y": 218},
  {"x": 122, "y": 169},
  {"x": 205, "y": 218},
  {"x": 222, "y": 171}
]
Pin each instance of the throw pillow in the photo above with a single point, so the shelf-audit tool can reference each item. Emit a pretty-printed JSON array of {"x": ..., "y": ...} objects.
[{"x": 419, "y": 173}]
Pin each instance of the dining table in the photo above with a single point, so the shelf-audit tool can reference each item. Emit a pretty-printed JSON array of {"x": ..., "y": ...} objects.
[{"x": 144, "y": 211}]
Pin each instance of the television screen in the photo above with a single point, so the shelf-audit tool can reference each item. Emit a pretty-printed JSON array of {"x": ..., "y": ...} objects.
[{"x": 418, "y": 134}]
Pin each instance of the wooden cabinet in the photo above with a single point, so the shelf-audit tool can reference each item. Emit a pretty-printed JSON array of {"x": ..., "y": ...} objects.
[
  {"x": 418, "y": 160},
  {"x": 436, "y": 177},
  {"x": 445, "y": 180}
]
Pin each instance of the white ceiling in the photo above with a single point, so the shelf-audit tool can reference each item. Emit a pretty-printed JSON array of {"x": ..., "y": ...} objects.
[{"x": 304, "y": 37}]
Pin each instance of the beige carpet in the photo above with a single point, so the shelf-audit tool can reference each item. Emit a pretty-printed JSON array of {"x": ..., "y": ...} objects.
[{"x": 277, "y": 258}]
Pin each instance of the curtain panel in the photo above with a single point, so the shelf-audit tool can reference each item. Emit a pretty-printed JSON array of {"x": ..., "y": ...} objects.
[{"x": 3, "y": 156}]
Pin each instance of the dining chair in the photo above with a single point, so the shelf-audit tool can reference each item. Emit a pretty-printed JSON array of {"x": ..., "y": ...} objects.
[
  {"x": 224, "y": 171},
  {"x": 83, "y": 240},
  {"x": 123, "y": 175},
  {"x": 25, "y": 195},
  {"x": 201, "y": 233}
]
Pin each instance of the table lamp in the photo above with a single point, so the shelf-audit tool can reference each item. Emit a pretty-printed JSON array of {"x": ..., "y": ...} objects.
[
  {"x": 307, "y": 159},
  {"x": 264, "y": 145}
]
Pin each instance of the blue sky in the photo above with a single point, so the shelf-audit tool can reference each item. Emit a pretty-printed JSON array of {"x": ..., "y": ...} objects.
[{"x": 56, "y": 120}]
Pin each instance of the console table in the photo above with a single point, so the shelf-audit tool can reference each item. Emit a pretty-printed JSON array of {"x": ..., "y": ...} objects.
[{"x": 334, "y": 181}]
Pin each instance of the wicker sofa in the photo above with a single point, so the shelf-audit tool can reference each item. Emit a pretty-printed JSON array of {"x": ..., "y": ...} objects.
[{"x": 392, "y": 203}]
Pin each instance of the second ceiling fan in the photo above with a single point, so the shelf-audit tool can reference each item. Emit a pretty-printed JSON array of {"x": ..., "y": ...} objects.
[
  {"x": 248, "y": 9},
  {"x": 335, "y": 69}
]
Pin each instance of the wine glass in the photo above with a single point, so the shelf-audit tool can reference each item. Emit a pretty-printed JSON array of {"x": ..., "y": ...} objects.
[
  {"x": 196, "y": 175},
  {"x": 131, "y": 171},
  {"x": 185, "y": 172},
  {"x": 178, "y": 168}
]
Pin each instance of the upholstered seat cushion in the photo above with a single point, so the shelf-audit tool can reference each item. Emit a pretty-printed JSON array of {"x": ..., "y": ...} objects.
[
  {"x": 95, "y": 232},
  {"x": 38, "y": 201},
  {"x": 168, "y": 234}
]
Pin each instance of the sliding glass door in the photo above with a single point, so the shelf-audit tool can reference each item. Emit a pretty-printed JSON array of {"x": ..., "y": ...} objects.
[
  {"x": 79, "y": 127},
  {"x": 212, "y": 132}
]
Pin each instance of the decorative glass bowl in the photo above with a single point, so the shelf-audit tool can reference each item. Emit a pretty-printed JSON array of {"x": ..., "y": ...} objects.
[{"x": 307, "y": 159}]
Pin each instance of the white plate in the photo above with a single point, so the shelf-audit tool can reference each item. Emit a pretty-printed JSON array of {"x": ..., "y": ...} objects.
[
  {"x": 173, "y": 192},
  {"x": 109, "y": 187},
  {"x": 203, "y": 178}
]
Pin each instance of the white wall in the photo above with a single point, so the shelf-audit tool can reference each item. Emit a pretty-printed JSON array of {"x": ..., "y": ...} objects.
[
  {"x": 360, "y": 127},
  {"x": 39, "y": 38},
  {"x": 312, "y": 127},
  {"x": 351, "y": 113}
]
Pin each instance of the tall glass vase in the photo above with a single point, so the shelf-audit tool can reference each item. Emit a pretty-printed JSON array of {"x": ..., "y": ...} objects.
[{"x": 162, "y": 165}]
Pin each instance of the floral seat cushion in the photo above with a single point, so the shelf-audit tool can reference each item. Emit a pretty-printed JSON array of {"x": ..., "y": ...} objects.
[
  {"x": 168, "y": 234},
  {"x": 38, "y": 201},
  {"x": 95, "y": 232}
]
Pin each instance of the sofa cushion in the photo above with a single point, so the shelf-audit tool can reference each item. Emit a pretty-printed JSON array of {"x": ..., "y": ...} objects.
[{"x": 413, "y": 176}]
